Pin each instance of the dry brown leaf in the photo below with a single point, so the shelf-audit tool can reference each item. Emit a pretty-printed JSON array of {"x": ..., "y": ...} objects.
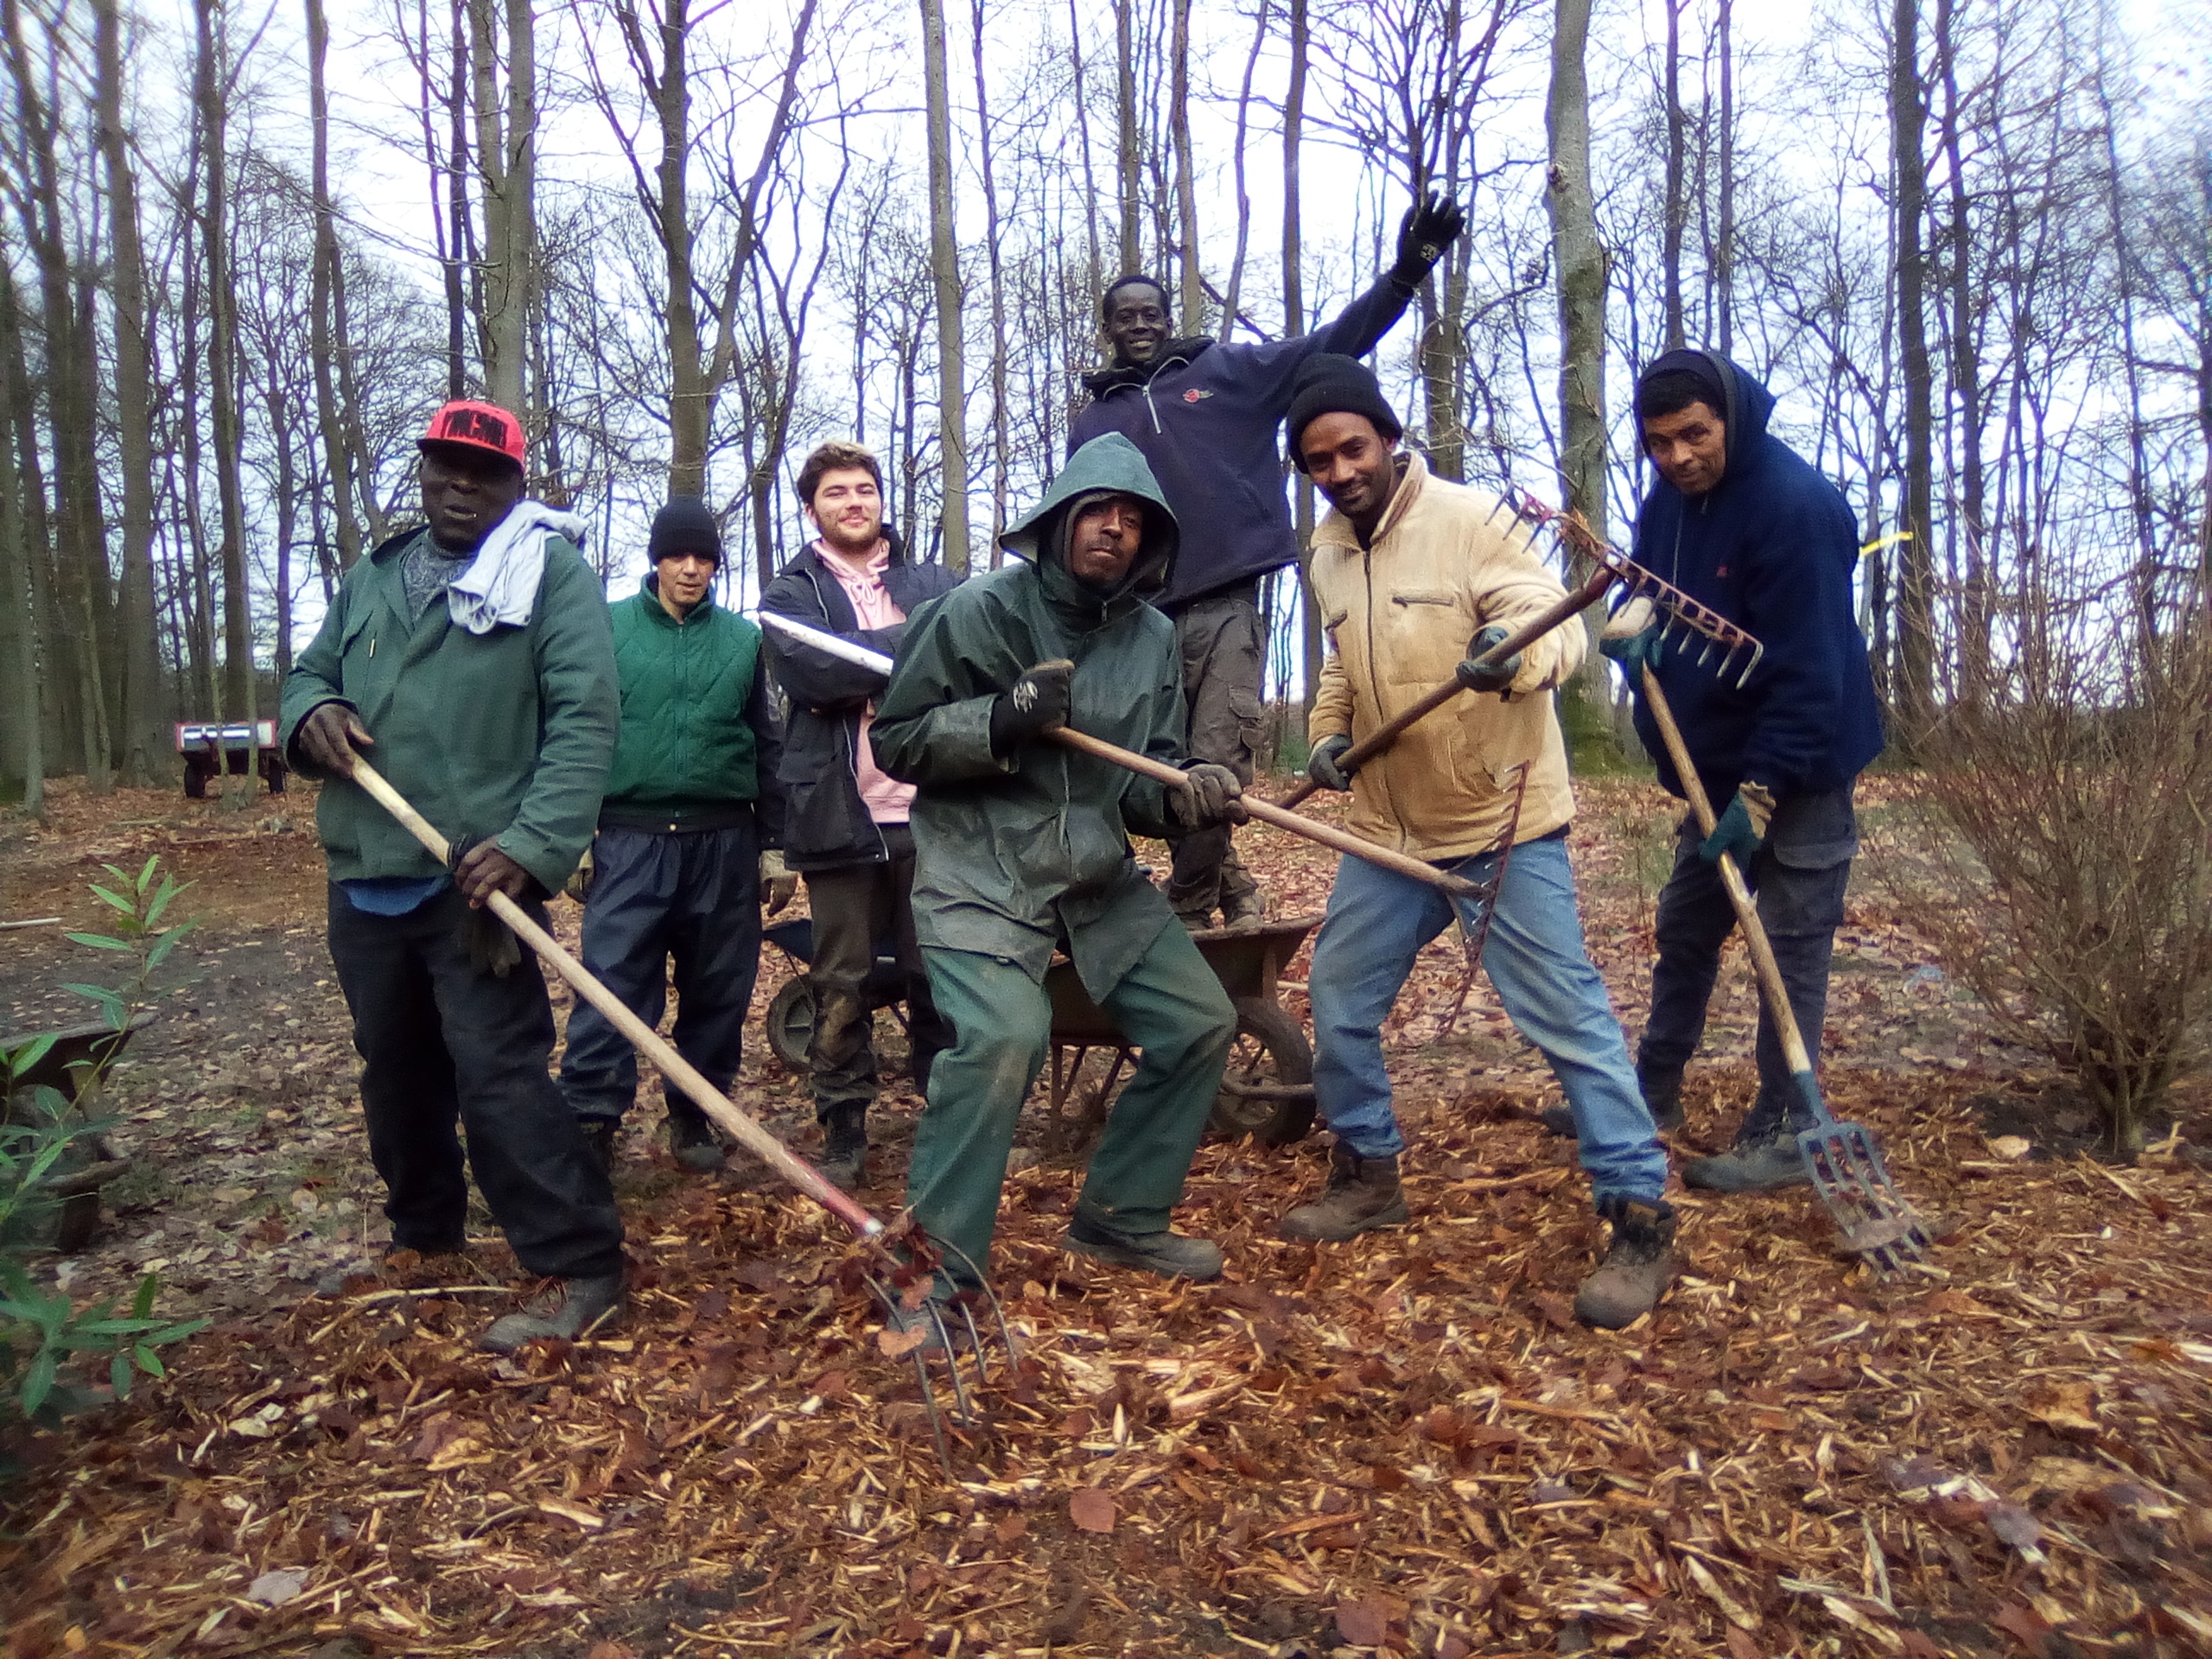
[
  {"x": 897, "y": 1345},
  {"x": 1092, "y": 1510},
  {"x": 1363, "y": 1623}
]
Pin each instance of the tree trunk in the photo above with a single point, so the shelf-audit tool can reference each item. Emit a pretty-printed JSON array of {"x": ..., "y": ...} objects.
[
  {"x": 323, "y": 341},
  {"x": 143, "y": 701},
  {"x": 1126, "y": 157},
  {"x": 1723, "y": 262},
  {"x": 1915, "y": 596},
  {"x": 691, "y": 401},
  {"x": 1096, "y": 276},
  {"x": 991, "y": 238},
  {"x": 19, "y": 561},
  {"x": 1965, "y": 374},
  {"x": 1311, "y": 644},
  {"x": 506, "y": 150},
  {"x": 944, "y": 268},
  {"x": 1233, "y": 295},
  {"x": 211, "y": 73},
  {"x": 1675, "y": 213},
  {"x": 452, "y": 254},
  {"x": 1187, "y": 189}
]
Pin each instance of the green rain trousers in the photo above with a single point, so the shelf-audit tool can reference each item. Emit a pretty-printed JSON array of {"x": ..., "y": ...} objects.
[{"x": 1168, "y": 1005}]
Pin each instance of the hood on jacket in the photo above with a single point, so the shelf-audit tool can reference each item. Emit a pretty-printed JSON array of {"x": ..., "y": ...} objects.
[
  {"x": 1174, "y": 354},
  {"x": 1106, "y": 466},
  {"x": 1746, "y": 404}
]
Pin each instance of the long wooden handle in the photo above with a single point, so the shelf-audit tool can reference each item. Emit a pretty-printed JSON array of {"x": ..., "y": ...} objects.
[
  {"x": 673, "y": 1066},
  {"x": 1747, "y": 911},
  {"x": 1527, "y": 635},
  {"x": 1267, "y": 812}
]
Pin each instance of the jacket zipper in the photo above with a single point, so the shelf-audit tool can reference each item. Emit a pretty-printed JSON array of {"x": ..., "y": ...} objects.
[{"x": 1374, "y": 685}]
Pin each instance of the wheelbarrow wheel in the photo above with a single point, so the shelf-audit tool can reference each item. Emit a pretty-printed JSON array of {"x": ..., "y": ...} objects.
[
  {"x": 791, "y": 1022},
  {"x": 1267, "y": 1091}
]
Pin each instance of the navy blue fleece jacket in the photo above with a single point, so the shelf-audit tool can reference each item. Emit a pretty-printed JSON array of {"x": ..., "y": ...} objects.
[
  {"x": 1771, "y": 548},
  {"x": 1204, "y": 416}
]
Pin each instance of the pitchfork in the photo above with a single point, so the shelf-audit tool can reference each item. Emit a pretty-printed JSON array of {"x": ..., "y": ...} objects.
[{"x": 908, "y": 1260}]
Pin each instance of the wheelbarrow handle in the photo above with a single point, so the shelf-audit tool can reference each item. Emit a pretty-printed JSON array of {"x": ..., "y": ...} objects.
[
  {"x": 677, "y": 1070},
  {"x": 1267, "y": 812},
  {"x": 1747, "y": 911},
  {"x": 1520, "y": 639}
]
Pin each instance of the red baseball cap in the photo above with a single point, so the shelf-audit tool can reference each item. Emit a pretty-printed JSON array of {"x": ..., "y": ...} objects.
[{"x": 476, "y": 425}]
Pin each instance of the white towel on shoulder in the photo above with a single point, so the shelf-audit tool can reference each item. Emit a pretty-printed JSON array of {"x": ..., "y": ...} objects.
[{"x": 500, "y": 585}]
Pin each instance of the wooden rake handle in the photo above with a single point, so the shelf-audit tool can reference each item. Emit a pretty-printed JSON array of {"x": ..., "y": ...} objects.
[
  {"x": 1740, "y": 895},
  {"x": 673, "y": 1066},
  {"x": 1267, "y": 812},
  {"x": 1384, "y": 735}
]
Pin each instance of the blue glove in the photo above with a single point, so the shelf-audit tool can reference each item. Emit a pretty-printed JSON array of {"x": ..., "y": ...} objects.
[
  {"x": 1321, "y": 766},
  {"x": 1489, "y": 677},
  {"x": 1741, "y": 831}
]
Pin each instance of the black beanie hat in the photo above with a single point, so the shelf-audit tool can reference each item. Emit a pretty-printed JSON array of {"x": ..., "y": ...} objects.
[
  {"x": 686, "y": 524},
  {"x": 1329, "y": 384}
]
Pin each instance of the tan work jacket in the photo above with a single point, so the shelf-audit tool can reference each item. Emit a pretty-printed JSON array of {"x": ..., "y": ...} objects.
[{"x": 1446, "y": 560}]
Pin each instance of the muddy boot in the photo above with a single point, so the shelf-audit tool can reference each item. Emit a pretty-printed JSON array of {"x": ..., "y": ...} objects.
[
  {"x": 691, "y": 1139},
  {"x": 1363, "y": 1193},
  {"x": 843, "y": 1162},
  {"x": 599, "y": 1135},
  {"x": 567, "y": 1309},
  {"x": 1167, "y": 1254},
  {"x": 1637, "y": 1268},
  {"x": 1197, "y": 921},
  {"x": 1758, "y": 1166},
  {"x": 1244, "y": 910}
]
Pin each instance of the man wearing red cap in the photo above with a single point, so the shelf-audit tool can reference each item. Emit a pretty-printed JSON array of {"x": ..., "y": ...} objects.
[{"x": 471, "y": 662}]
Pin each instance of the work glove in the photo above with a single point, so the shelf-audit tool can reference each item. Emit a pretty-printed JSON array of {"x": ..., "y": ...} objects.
[
  {"x": 1209, "y": 796},
  {"x": 578, "y": 885},
  {"x": 1427, "y": 230},
  {"x": 1489, "y": 677},
  {"x": 1031, "y": 706},
  {"x": 1742, "y": 829},
  {"x": 1631, "y": 639},
  {"x": 779, "y": 885},
  {"x": 1325, "y": 765}
]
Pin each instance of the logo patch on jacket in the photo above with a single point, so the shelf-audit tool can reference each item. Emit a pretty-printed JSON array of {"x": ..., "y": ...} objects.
[
  {"x": 1194, "y": 394},
  {"x": 1721, "y": 571}
]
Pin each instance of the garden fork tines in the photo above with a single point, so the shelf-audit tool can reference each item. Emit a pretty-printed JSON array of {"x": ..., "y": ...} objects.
[{"x": 928, "y": 1328}]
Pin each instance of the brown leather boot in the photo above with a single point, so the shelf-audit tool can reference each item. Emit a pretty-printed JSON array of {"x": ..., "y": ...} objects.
[
  {"x": 1638, "y": 1266},
  {"x": 1362, "y": 1194}
]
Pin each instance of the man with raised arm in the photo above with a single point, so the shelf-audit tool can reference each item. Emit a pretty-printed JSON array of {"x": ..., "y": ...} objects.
[
  {"x": 848, "y": 830},
  {"x": 1022, "y": 848},
  {"x": 1418, "y": 577},
  {"x": 470, "y": 662},
  {"x": 1203, "y": 413}
]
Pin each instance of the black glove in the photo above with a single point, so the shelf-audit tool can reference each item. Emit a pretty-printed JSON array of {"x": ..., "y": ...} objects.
[
  {"x": 1423, "y": 234},
  {"x": 1211, "y": 799},
  {"x": 1031, "y": 706},
  {"x": 1489, "y": 677},
  {"x": 1324, "y": 765}
]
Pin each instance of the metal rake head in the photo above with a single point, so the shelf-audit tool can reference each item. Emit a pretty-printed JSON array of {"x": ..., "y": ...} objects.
[
  {"x": 930, "y": 1319},
  {"x": 1877, "y": 1221},
  {"x": 1684, "y": 616}
]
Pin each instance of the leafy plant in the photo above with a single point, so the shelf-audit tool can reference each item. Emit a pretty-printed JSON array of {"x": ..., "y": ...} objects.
[{"x": 41, "y": 1331}]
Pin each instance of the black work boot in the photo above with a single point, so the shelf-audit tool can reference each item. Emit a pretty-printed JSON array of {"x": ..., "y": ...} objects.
[
  {"x": 599, "y": 1135},
  {"x": 1243, "y": 909},
  {"x": 843, "y": 1162},
  {"x": 1363, "y": 1193},
  {"x": 1638, "y": 1266},
  {"x": 1167, "y": 1254},
  {"x": 691, "y": 1139},
  {"x": 1762, "y": 1164},
  {"x": 567, "y": 1309},
  {"x": 1662, "y": 1088}
]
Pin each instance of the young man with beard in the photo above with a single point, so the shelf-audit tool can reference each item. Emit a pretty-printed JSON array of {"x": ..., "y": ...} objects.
[
  {"x": 1022, "y": 849},
  {"x": 1746, "y": 525},
  {"x": 848, "y": 830},
  {"x": 1418, "y": 577},
  {"x": 688, "y": 838},
  {"x": 470, "y": 663},
  {"x": 1203, "y": 414}
]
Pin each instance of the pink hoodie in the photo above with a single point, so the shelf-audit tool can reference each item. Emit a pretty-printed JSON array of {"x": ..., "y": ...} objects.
[{"x": 888, "y": 800}]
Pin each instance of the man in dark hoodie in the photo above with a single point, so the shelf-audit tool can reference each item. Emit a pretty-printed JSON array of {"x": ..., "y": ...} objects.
[
  {"x": 1746, "y": 525},
  {"x": 1205, "y": 413},
  {"x": 846, "y": 831},
  {"x": 1022, "y": 849}
]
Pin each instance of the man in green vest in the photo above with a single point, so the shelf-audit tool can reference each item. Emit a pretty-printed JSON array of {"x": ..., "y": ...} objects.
[{"x": 689, "y": 834}]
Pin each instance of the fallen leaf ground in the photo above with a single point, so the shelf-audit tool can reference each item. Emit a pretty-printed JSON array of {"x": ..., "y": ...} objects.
[{"x": 1405, "y": 1444}]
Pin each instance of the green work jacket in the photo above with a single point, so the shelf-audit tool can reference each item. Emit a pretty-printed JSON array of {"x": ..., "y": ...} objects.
[
  {"x": 506, "y": 734},
  {"x": 688, "y": 740},
  {"x": 1014, "y": 856}
]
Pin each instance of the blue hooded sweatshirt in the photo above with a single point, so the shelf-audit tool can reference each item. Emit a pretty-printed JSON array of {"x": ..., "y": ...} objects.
[{"x": 1772, "y": 548}]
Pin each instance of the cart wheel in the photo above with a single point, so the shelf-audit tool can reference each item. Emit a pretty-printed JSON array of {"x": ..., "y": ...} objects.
[
  {"x": 791, "y": 1022},
  {"x": 1268, "y": 1090}
]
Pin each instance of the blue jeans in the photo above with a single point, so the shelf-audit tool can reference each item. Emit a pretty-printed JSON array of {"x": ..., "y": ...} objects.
[
  {"x": 1800, "y": 877},
  {"x": 1377, "y": 922}
]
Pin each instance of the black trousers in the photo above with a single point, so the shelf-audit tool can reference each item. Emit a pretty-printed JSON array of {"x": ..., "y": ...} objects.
[
  {"x": 444, "y": 1044},
  {"x": 856, "y": 906}
]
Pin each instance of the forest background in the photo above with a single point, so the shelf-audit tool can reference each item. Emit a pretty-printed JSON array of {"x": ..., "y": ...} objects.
[{"x": 245, "y": 249}]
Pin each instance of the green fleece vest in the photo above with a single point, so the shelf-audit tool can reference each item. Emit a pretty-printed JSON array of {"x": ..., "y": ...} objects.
[{"x": 687, "y": 741}]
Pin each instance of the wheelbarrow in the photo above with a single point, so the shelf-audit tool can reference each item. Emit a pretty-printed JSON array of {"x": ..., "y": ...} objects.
[
  {"x": 1268, "y": 1090},
  {"x": 790, "y": 1018},
  {"x": 70, "y": 1212}
]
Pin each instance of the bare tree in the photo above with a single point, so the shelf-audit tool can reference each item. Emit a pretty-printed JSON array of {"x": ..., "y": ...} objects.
[
  {"x": 1915, "y": 687},
  {"x": 506, "y": 173},
  {"x": 944, "y": 265}
]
